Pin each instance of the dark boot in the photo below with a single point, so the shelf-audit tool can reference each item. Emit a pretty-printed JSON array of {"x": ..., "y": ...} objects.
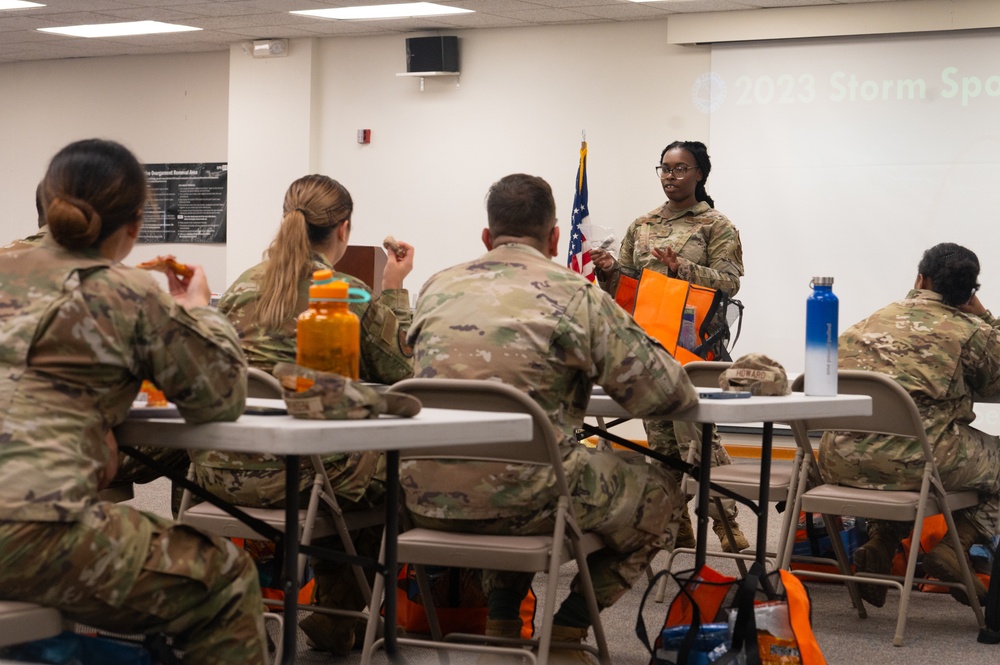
[
  {"x": 943, "y": 563},
  {"x": 326, "y": 632},
  {"x": 685, "y": 532},
  {"x": 875, "y": 556}
]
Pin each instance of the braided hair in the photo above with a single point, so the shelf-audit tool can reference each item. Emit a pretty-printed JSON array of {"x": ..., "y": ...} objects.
[
  {"x": 700, "y": 154},
  {"x": 953, "y": 270}
]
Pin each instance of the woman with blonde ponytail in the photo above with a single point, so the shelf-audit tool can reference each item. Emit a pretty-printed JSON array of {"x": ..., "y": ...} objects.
[
  {"x": 266, "y": 300},
  {"x": 80, "y": 332},
  {"x": 264, "y": 304}
]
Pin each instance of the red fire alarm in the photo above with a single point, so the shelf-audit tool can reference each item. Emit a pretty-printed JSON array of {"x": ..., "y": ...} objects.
[{"x": 364, "y": 136}]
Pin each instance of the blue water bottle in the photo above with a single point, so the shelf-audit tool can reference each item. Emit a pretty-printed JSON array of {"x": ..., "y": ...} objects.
[{"x": 821, "y": 338}]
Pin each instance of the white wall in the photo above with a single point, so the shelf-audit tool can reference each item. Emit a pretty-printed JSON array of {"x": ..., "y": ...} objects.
[
  {"x": 524, "y": 97},
  {"x": 164, "y": 108}
]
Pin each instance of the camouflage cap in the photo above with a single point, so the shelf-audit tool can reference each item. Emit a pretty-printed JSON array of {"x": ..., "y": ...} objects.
[
  {"x": 757, "y": 373},
  {"x": 327, "y": 396}
]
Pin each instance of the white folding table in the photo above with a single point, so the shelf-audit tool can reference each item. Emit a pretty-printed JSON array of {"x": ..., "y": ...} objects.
[
  {"x": 766, "y": 410},
  {"x": 293, "y": 438}
]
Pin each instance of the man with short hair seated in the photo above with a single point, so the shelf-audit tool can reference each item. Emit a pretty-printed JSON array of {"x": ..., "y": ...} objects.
[{"x": 515, "y": 316}]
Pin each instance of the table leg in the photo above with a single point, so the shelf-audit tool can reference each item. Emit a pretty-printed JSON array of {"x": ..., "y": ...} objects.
[
  {"x": 763, "y": 498},
  {"x": 705, "y": 469},
  {"x": 391, "y": 564},
  {"x": 291, "y": 565}
]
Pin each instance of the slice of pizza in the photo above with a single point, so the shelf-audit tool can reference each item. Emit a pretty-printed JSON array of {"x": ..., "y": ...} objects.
[{"x": 167, "y": 264}]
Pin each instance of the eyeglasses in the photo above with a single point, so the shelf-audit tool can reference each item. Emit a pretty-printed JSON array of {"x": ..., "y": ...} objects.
[{"x": 678, "y": 171}]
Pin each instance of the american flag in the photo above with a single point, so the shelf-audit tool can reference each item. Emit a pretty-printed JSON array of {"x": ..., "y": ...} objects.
[{"x": 579, "y": 248}]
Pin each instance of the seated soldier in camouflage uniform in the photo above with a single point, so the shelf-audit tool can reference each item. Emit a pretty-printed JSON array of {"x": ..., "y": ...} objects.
[
  {"x": 264, "y": 304},
  {"x": 130, "y": 470},
  {"x": 81, "y": 332},
  {"x": 515, "y": 316},
  {"x": 943, "y": 346}
]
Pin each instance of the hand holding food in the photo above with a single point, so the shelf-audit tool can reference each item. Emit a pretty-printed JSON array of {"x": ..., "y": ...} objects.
[
  {"x": 393, "y": 246},
  {"x": 399, "y": 263},
  {"x": 167, "y": 264},
  {"x": 187, "y": 283}
]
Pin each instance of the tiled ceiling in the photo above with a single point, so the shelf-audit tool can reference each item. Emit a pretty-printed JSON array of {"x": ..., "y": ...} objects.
[{"x": 225, "y": 22}]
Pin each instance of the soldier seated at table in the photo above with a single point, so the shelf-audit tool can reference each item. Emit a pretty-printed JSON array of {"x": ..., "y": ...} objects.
[{"x": 515, "y": 316}]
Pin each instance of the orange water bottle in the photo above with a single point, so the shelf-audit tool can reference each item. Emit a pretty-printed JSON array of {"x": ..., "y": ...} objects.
[{"x": 328, "y": 333}]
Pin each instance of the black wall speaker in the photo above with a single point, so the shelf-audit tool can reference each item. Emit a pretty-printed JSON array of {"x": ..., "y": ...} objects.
[{"x": 432, "y": 54}]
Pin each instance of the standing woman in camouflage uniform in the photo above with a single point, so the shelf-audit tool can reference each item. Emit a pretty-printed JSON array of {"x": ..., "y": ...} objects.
[
  {"x": 689, "y": 239},
  {"x": 943, "y": 346},
  {"x": 80, "y": 332},
  {"x": 264, "y": 304}
]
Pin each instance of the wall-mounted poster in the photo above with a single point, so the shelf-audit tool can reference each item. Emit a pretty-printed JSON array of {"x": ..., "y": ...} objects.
[{"x": 187, "y": 204}]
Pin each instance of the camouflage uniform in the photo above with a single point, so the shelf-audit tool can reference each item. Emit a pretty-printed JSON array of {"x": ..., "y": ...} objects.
[
  {"x": 514, "y": 315},
  {"x": 258, "y": 480},
  {"x": 80, "y": 334},
  {"x": 130, "y": 470},
  {"x": 943, "y": 358},
  {"x": 358, "y": 479},
  {"x": 710, "y": 254},
  {"x": 385, "y": 357},
  {"x": 33, "y": 240}
]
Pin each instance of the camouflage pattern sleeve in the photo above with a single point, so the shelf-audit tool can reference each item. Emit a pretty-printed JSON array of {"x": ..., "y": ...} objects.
[
  {"x": 626, "y": 255},
  {"x": 634, "y": 369},
  {"x": 725, "y": 257},
  {"x": 263, "y": 347},
  {"x": 195, "y": 358},
  {"x": 33, "y": 240},
  {"x": 608, "y": 279},
  {"x": 981, "y": 359},
  {"x": 386, "y": 357}
]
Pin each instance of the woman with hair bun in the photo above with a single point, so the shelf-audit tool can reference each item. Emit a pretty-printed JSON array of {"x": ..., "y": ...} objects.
[
  {"x": 264, "y": 304},
  {"x": 943, "y": 347},
  {"x": 80, "y": 332},
  {"x": 689, "y": 239}
]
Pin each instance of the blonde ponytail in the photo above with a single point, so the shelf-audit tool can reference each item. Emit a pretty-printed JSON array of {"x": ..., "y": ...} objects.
[{"x": 314, "y": 206}]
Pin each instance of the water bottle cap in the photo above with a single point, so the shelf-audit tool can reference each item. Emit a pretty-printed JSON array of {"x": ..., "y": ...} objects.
[
  {"x": 822, "y": 281},
  {"x": 325, "y": 289}
]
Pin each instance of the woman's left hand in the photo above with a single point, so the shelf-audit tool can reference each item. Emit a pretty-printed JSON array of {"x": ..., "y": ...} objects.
[
  {"x": 190, "y": 291},
  {"x": 668, "y": 257},
  {"x": 397, "y": 267},
  {"x": 973, "y": 306}
]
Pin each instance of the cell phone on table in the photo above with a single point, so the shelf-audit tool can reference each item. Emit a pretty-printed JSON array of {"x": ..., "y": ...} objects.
[
  {"x": 726, "y": 394},
  {"x": 254, "y": 410}
]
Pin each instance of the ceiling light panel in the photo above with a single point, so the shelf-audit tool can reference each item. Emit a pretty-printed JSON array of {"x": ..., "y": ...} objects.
[
  {"x": 373, "y": 12},
  {"x": 18, "y": 4},
  {"x": 119, "y": 29}
]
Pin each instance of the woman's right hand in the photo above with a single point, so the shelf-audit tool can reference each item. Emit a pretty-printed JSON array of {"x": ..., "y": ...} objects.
[
  {"x": 190, "y": 291},
  {"x": 397, "y": 267},
  {"x": 602, "y": 259}
]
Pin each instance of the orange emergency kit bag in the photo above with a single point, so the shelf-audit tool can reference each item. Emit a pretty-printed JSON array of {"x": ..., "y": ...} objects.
[{"x": 657, "y": 303}]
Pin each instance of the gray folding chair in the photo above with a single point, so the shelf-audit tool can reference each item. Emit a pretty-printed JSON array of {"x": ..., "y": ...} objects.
[
  {"x": 313, "y": 522},
  {"x": 27, "y": 622},
  {"x": 742, "y": 479},
  {"x": 537, "y": 553},
  {"x": 893, "y": 413}
]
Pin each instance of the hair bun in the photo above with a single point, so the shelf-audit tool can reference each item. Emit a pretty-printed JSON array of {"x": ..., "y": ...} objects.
[{"x": 74, "y": 223}]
